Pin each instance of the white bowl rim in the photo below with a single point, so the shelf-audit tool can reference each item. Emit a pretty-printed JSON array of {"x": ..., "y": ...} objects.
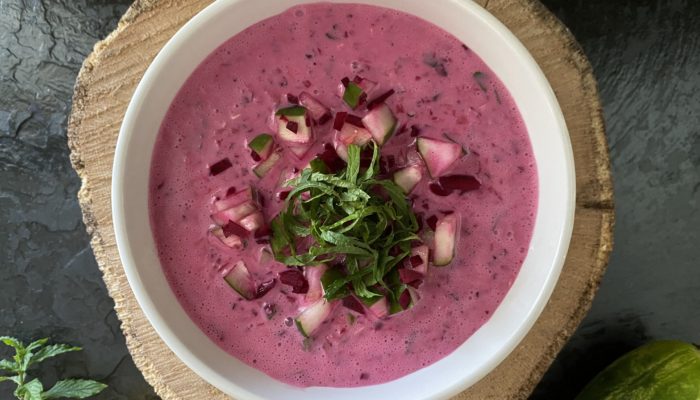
[{"x": 147, "y": 302}]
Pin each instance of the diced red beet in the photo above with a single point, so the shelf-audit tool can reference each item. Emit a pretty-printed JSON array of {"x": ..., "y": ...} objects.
[
  {"x": 292, "y": 98},
  {"x": 405, "y": 299},
  {"x": 241, "y": 281},
  {"x": 415, "y": 130},
  {"x": 255, "y": 156},
  {"x": 325, "y": 118},
  {"x": 461, "y": 183},
  {"x": 354, "y": 120},
  {"x": 432, "y": 222},
  {"x": 331, "y": 159},
  {"x": 265, "y": 287},
  {"x": 220, "y": 167},
  {"x": 293, "y": 126},
  {"x": 339, "y": 120},
  {"x": 419, "y": 259},
  {"x": 438, "y": 155},
  {"x": 345, "y": 81},
  {"x": 230, "y": 191},
  {"x": 295, "y": 279},
  {"x": 438, "y": 190},
  {"x": 351, "y": 303},
  {"x": 283, "y": 195},
  {"x": 233, "y": 229},
  {"x": 415, "y": 261},
  {"x": 380, "y": 99},
  {"x": 408, "y": 276},
  {"x": 262, "y": 232}
]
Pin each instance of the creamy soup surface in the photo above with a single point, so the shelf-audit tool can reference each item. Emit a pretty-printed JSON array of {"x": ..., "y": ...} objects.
[{"x": 443, "y": 90}]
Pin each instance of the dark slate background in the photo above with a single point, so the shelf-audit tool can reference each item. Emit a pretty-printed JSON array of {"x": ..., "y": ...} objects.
[{"x": 645, "y": 53}]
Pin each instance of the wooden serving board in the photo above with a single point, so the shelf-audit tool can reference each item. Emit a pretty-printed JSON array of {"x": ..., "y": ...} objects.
[{"x": 109, "y": 77}]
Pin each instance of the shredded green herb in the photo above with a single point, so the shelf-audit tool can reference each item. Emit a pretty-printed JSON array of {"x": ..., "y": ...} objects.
[{"x": 350, "y": 218}]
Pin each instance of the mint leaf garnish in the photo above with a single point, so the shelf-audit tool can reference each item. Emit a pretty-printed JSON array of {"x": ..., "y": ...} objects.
[
  {"x": 353, "y": 220},
  {"x": 34, "y": 353}
]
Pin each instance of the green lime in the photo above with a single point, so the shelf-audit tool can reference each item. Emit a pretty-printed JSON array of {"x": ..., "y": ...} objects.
[{"x": 664, "y": 370}]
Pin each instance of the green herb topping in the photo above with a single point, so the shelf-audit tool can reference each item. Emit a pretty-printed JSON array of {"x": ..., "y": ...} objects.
[
  {"x": 28, "y": 356},
  {"x": 351, "y": 219}
]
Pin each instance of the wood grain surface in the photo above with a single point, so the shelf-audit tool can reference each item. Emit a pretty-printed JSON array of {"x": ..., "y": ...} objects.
[{"x": 109, "y": 77}]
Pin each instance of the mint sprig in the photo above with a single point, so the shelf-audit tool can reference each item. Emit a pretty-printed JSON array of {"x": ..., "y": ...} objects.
[
  {"x": 27, "y": 356},
  {"x": 361, "y": 224}
]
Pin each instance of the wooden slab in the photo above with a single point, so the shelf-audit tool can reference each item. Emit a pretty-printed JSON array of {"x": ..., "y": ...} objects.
[{"x": 110, "y": 75}]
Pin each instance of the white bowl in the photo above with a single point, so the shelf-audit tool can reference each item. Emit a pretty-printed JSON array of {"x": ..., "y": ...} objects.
[{"x": 481, "y": 353}]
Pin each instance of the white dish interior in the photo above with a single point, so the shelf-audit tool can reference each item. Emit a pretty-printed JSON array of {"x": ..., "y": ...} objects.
[{"x": 481, "y": 353}]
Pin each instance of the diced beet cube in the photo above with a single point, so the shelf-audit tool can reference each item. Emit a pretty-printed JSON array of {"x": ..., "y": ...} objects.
[
  {"x": 292, "y": 98},
  {"x": 432, "y": 222},
  {"x": 461, "y": 183},
  {"x": 380, "y": 99},
  {"x": 220, "y": 167},
  {"x": 405, "y": 299},
  {"x": 265, "y": 287},
  {"x": 408, "y": 275},
  {"x": 231, "y": 228},
  {"x": 351, "y": 303},
  {"x": 295, "y": 279}
]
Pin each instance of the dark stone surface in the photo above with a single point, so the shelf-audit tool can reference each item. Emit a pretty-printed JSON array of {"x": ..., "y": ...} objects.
[
  {"x": 646, "y": 55},
  {"x": 50, "y": 282}
]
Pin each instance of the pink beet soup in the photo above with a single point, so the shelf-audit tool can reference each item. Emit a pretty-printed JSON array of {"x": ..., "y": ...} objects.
[{"x": 442, "y": 90}]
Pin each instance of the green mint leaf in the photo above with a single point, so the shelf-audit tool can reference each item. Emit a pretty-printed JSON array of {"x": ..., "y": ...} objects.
[
  {"x": 52, "y": 351},
  {"x": 30, "y": 391},
  {"x": 9, "y": 366},
  {"x": 353, "y": 164},
  {"x": 75, "y": 389},
  {"x": 12, "y": 342},
  {"x": 14, "y": 379},
  {"x": 37, "y": 344},
  {"x": 352, "y": 217}
]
